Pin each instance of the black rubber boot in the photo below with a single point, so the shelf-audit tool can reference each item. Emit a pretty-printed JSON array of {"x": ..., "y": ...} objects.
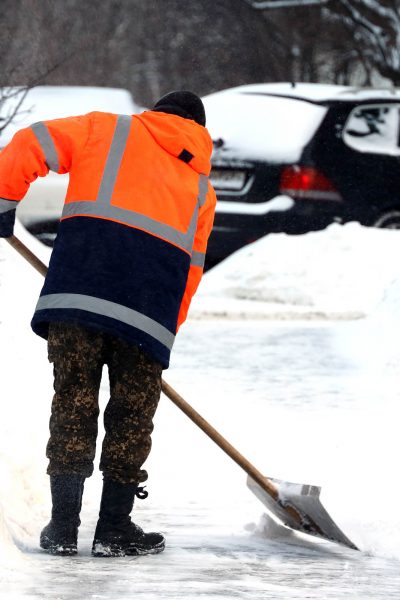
[
  {"x": 115, "y": 533},
  {"x": 60, "y": 536}
]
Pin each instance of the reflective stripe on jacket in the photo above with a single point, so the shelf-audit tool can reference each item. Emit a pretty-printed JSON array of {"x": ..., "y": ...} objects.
[{"x": 138, "y": 212}]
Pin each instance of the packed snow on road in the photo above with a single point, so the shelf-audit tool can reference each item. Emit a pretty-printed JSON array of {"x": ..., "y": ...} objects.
[{"x": 292, "y": 353}]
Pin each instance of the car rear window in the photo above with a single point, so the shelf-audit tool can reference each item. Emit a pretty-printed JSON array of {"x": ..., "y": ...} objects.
[{"x": 261, "y": 127}]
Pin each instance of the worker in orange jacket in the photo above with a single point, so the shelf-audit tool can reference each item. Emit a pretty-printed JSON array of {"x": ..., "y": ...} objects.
[{"x": 128, "y": 257}]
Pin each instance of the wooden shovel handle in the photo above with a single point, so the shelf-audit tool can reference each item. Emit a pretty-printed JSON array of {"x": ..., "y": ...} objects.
[
  {"x": 189, "y": 411},
  {"x": 27, "y": 254}
]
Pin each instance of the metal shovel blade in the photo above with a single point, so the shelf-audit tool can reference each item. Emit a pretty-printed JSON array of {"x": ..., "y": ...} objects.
[{"x": 298, "y": 506}]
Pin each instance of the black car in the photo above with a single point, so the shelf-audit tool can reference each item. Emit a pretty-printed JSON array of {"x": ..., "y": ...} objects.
[{"x": 295, "y": 158}]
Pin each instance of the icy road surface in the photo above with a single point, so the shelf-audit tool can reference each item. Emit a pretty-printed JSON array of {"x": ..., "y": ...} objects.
[{"x": 298, "y": 399}]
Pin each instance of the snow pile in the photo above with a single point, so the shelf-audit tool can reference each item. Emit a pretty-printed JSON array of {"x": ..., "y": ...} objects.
[
  {"x": 338, "y": 273},
  {"x": 378, "y": 344},
  {"x": 23, "y": 412}
]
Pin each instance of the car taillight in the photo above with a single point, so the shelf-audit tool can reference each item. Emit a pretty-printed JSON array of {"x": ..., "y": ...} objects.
[{"x": 307, "y": 183}]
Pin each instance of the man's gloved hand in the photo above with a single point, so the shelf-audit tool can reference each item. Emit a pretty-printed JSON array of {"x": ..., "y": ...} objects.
[
  {"x": 7, "y": 217},
  {"x": 7, "y": 221}
]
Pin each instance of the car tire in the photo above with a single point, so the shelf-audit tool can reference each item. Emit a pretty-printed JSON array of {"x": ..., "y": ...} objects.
[{"x": 388, "y": 220}]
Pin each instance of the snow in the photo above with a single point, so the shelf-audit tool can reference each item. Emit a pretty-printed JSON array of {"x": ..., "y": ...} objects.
[
  {"x": 338, "y": 273},
  {"x": 292, "y": 353},
  {"x": 318, "y": 92},
  {"x": 257, "y": 126},
  {"x": 277, "y": 204},
  {"x": 382, "y": 135}
]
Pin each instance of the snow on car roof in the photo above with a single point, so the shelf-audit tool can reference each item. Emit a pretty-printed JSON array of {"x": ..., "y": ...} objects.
[
  {"x": 270, "y": 121},
  {"x": 258, "y": 127},
  {"x": 56, "y": 101},
  {"x": 318, "y": 92}
]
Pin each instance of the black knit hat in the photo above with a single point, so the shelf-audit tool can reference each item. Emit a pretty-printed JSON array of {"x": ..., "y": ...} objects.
[{"x": 184, "y": 104}]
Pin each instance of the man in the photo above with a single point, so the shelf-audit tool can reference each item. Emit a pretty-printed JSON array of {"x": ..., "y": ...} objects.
[{"x": 126, "y": 262}]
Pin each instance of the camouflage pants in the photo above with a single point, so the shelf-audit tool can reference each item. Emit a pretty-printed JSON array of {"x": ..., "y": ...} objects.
[{"x": 78, "y": 355}]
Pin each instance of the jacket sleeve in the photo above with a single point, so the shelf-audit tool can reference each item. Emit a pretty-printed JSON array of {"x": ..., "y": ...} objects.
[
  {"x": 32, "y": 153},
  {"x": 204, "y": 227}
]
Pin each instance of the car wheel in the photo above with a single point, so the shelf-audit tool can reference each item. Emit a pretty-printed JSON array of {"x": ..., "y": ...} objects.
[{"x": 388, "y": 220}]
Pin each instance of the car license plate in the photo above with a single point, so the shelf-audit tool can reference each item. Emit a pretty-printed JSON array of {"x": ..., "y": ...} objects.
[{"x": 228, "y": 179}]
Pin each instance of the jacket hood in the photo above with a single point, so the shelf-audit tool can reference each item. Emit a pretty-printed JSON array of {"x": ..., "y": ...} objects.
[{"x": 176, "y": 134}]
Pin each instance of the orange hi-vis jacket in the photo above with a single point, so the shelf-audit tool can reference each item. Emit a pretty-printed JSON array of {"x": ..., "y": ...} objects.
[{"x": 139, "y": 209}]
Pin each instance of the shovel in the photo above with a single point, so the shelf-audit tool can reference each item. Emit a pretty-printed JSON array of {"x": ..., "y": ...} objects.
[{"x": 295, "y": 505}]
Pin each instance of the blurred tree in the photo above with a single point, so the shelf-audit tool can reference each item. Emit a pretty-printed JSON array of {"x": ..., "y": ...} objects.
[
  {"x": 317, "y": 49},
  {"x": 375, "y": 25},
  {"x": 22, "y": 65},
  {"x": 273, "y": 4},
  {"x": 155, "y": 46},
  {"x": 371, "y": 38}
]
